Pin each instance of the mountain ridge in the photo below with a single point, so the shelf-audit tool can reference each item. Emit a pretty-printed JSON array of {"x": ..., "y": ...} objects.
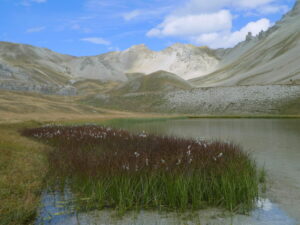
[
  {"x": 272, "y": 59},
  {"x": 269, "y": 58}
]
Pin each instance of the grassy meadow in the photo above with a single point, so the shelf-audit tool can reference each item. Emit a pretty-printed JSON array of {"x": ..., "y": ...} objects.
[{"x": 23, "y": 166}]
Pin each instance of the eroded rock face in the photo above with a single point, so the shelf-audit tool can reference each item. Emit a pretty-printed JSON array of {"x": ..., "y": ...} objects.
[
  {"x": 259, "y": 100},
  {"x": 187, "y": 61},
  {"x": 272, "y": 57},
  {"x": 13, "y": 85},
  {"x": 249, "y": 36},
  {"x": 42, "y": 67},
  {"x": 9, "y": 72},
  {"x": 67, "y": 91}
]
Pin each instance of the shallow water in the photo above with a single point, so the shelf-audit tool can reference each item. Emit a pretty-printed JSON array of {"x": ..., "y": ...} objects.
[{"x": 274, "y": 143}]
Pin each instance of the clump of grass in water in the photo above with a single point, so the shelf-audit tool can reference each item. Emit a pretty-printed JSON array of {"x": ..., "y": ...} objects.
[{"x": 112, "y": 168}]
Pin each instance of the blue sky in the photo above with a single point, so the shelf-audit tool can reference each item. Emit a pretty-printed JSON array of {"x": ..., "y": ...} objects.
[{"x": 91, "y": 27}]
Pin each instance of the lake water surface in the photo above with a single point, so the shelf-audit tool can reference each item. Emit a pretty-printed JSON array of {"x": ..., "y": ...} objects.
[{"x": 274, "y": 143}]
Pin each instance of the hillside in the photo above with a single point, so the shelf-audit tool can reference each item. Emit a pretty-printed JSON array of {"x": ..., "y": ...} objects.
[
  {"x": 25, "y": 67},
  {"x": 160, "y": 81},
  {"x": 187, "y": 61},
  {"x": 259, "y": 76},
  {"x": 28, "y": 68},
  {"x": 270, "y": 58}
]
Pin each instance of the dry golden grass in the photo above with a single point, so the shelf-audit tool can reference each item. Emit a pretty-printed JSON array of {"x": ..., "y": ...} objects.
[
  {"x": 22, "y": 161},
  {"x": 18, "y": 107},
  {"x": 22, "y": 170}
]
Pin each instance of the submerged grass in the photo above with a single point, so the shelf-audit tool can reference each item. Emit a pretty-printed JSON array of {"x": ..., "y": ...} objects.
[{"x": 112, "y": 168}]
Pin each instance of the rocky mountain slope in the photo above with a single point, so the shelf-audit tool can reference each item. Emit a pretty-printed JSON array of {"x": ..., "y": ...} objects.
[
  {"x": 273, "y": 57},
  {"x": 270, "y": 58},
  {"x": 187, "y": 61},
  {"x": 253, "y": 100},
  {"x": 258, "y": 76},
  {"x": 29, "y": 68}
]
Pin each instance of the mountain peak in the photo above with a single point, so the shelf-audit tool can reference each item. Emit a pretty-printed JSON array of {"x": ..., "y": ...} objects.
[
  {"x": 139, "y": 47},
  {"x": 181, "y": 46}
]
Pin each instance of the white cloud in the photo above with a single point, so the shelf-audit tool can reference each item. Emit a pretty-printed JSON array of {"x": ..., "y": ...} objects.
[
  {"x": 35, "y": 29},
  {"x": 211, "y": 22},
  {"x": 96, "y": 40},
  {"x": 272, "y": 9},
  {"x": 191, "y": 25},
  {"x": 252, "y": 3},
  {"x": 257, "y": 6},
  {"x": 146, "y": 14},
  {"x": 200, "y": 6},
  {"x": 131, "y": 15},
  {"x": 230, "y": 39}
]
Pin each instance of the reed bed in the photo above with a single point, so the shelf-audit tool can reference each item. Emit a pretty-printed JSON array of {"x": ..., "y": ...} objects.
[{"x": 113, "y": 168}]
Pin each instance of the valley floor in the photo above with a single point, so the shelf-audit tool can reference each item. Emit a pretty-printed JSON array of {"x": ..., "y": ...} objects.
[
  {"x": 23, "y": 167},
  {"x": 22, "y": 161}
]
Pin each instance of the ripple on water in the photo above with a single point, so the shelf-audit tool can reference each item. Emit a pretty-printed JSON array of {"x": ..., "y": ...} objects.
[{"x": 57, "y": 208}]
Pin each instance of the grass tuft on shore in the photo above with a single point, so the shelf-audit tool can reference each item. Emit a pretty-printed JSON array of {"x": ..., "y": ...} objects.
[
  {"x": 23, "y": 166},
  {"x": 112, "y": 168}
]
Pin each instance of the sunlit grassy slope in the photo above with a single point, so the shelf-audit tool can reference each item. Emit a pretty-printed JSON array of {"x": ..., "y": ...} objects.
[
  {"x": 87, "y": 87},
  {"x": 21, "y": 106},
  {"x": 160, "y": 81}
]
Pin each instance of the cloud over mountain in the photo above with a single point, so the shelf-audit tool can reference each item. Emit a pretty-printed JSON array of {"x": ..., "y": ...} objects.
[{"x": 211, "y": 22}]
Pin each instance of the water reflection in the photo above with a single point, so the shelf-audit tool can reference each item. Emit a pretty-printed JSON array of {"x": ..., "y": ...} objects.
[
  {"x": 57, "y": 209},
  {"x": 274, "y": 144}
]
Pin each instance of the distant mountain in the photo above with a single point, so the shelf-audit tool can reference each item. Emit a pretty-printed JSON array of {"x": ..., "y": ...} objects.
[
  {"x": 184, "y": 60},
  {"x": 25, "y": 67},
  {"x": 28, "y": 68},
  {"x": 273, "y": 57}
]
